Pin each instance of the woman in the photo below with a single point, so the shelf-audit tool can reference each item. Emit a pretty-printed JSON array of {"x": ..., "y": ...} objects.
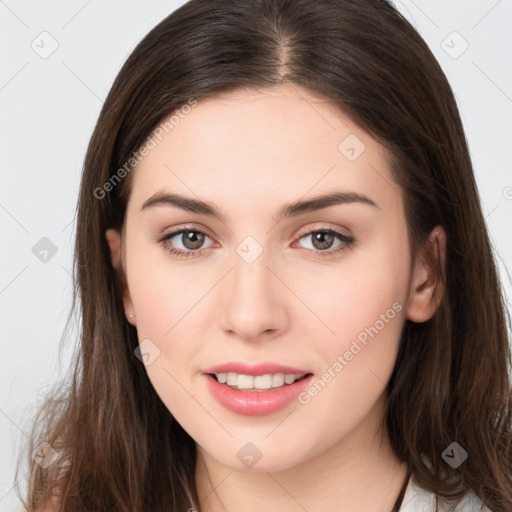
[{"x": 288, "y": 295}]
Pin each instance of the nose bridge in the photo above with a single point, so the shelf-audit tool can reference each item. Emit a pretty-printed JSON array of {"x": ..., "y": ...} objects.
[
  {"x": 250, "y": 274},
  {"x": 251, "y": 287},
  {"x": 252, "y": 302}
]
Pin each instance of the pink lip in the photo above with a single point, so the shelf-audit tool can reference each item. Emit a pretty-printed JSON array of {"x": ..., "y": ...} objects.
[
  {"x": 255, "y": 403},
  {"x": 254, "y": 369}
]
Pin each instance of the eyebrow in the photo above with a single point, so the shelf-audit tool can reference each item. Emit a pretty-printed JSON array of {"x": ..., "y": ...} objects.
[{"x": 288, "y": 210}]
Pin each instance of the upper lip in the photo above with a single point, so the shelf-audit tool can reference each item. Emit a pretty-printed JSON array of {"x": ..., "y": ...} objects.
[{"x": 254, "y": 369}]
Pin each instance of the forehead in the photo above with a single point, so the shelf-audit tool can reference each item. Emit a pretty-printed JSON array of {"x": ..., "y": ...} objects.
[{"x": 254, "y": 146}]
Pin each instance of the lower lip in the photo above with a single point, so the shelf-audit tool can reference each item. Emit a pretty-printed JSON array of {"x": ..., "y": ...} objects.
[{"x": 256, "y": 403}]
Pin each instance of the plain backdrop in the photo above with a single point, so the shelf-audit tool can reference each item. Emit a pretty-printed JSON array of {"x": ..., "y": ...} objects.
[{"x": 58, "y": 61}]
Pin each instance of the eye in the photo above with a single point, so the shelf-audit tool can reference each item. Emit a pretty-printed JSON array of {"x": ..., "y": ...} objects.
[
  {"x": 191, "y": 240},
  {"x": 323, "y": 239}
]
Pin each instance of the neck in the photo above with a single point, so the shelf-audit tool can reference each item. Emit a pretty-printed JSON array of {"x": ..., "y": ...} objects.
[{"x": 359, "y": 472}]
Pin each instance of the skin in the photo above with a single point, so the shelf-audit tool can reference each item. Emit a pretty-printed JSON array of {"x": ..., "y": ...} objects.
[{"x": 250, "y": 152}]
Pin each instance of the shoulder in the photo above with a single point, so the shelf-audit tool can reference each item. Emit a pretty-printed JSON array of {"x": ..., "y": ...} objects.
[{"x": 417, "y": 499}]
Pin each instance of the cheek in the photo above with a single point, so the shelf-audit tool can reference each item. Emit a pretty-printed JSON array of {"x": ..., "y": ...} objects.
[
  {"x": 166, "y": 315},
  {"x": 175, "y": 306},
  {"x": 162, "y": 293},
  {"x": 163, "y": 298},
  {"x": 364, "y": 298},
  {"x": 366, "y": 311}
]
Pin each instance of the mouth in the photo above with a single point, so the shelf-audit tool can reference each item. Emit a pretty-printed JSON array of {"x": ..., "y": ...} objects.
[
  {"x": 257, "y": 383},
  {"x": 256, "y": 390}
]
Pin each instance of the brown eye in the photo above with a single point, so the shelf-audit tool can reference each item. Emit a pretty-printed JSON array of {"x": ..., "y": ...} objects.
[
  {"x": 192, "y": 239},
  {"x": 184, "y": 242},
  {"x": 324, "y": 239}
]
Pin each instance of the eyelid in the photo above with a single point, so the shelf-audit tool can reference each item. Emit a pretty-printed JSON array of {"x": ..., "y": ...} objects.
[
  {"x": 185, "y": 227},
  {"x": 326, "y": 227}
]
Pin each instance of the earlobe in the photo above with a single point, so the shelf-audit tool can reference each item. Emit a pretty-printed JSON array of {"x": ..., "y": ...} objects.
[
  {"x": 427, "y": 282},
  {"x": 114, "y": 241}
]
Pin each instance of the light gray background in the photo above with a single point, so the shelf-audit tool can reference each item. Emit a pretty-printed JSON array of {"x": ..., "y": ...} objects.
[{"x": 49, "y": 107}]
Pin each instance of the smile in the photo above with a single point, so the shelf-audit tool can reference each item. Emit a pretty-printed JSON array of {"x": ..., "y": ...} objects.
[{"x": 257, "y": 382}]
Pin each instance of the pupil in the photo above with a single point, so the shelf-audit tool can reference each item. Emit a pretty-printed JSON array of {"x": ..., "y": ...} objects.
[
  {"x": 323, "y": 245},
  {"x": 194, "y": 238}
]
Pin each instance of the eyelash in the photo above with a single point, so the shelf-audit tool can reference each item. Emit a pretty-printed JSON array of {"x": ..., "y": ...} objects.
[{"x": 347, "y": 240}]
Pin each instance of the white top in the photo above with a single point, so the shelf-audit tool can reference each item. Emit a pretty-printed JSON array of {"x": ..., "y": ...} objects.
[{"x": 417, "y": 499}]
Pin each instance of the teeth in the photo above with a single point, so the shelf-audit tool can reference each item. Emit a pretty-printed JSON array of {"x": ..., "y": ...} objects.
[
  {"x": 289, "y": 379},
  {"x": 245, "y": 382},
  {"x": 277, "y": 380},
  {"x": 258, "y": 382},
  {"x": 232, "y": 379}
]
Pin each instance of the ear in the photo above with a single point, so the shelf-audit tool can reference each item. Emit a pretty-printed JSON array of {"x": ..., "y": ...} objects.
[
  {"x": 427, "y": 280},
  {"x": 114, "y": 241}
]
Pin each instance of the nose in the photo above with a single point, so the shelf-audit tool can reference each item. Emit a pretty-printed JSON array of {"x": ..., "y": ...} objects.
[{"x": 253, "y": 300}]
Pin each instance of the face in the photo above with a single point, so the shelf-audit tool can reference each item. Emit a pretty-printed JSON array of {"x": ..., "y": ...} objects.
[{"x": 229, "y": 304}]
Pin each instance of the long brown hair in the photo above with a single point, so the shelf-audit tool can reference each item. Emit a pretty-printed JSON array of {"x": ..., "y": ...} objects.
[{"x": 120, "y": 447}]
